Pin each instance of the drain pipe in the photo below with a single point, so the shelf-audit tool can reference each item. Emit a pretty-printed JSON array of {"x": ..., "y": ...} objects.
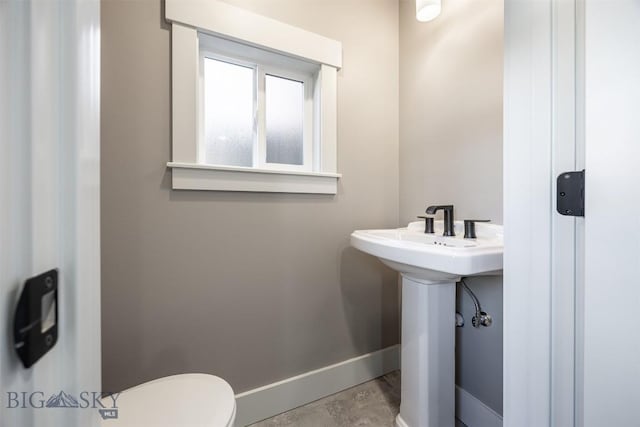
[{"x": 481, "y": 318}]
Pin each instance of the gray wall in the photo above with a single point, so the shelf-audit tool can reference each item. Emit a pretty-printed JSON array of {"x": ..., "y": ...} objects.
[
  {"x": 451, "y": 151},
  {"x": 260, "y": 287},
  {"x": 251, "y": 287}
]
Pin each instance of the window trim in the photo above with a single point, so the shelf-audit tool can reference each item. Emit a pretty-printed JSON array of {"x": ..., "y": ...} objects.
[
  {"x": 220, "y": 18},
  {"x": 191, "y": 17},
  {"x": 197, "y": 176}
]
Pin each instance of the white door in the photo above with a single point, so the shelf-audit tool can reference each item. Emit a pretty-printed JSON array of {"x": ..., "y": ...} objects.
[
  {"x": 611, "y": 377},
  {"x": 49, "y": 201},
  {"x": 571, "y": 297}
]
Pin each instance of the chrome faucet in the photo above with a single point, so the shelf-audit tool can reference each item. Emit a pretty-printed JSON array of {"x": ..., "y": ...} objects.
[{"x": 448, "y": 218}]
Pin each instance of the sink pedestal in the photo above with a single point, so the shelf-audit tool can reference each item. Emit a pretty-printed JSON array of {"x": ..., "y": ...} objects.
[
  {"x": 431, "y": 264},
  {"x": 428, "y": 353}
]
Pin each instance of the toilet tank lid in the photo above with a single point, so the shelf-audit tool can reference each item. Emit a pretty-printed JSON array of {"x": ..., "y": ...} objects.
[{"x": 194, "y": 400}]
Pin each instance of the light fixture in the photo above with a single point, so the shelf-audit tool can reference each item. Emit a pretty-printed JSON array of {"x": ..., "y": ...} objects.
[{"x": 426, "y": 10}]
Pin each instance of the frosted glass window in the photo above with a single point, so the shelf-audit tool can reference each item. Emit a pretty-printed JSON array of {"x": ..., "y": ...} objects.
[
  {"x": 284, "y": 120},
  {"x": 228, "y": 113}
]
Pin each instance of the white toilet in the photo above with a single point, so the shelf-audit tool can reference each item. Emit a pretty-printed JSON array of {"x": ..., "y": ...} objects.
[{"x": 187, "y": 400}]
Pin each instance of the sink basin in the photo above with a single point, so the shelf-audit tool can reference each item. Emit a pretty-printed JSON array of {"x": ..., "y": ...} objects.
[
  {"x": 433, "y": 257},
  {"x": 428, "y": 312}
]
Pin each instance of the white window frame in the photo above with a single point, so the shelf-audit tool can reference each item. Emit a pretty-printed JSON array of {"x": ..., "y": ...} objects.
[
  {"x": 301, "y": 56},
  {"x": 263, "y": 63},
  {"x": 307, "y": 130}
]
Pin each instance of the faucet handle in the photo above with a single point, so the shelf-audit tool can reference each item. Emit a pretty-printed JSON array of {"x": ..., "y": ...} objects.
[
  {"x": 470, "y": 227},
  {"x": 428, "y": 223}
]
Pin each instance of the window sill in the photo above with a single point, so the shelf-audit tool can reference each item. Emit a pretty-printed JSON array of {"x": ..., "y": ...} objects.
[{"x": 195, "y": 176}]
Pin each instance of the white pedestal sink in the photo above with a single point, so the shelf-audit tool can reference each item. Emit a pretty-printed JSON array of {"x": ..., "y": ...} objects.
[{"x": 431, "y": 265}]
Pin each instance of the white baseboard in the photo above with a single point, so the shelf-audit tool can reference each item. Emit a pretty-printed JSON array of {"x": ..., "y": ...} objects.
[
  {"x": 471, "y": 411},
  {"x": 267, "y": 401}
]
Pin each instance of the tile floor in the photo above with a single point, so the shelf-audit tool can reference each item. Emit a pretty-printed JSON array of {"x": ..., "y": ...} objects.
[{"x": 372, "y": 404}]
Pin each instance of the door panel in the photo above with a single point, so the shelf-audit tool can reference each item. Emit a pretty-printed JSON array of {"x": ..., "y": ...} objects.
[
  {"x": 612, "y": 221},
  {"x": 49, "y": 199}
]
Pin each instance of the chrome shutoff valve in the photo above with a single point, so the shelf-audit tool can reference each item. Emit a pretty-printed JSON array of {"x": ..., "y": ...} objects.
[{"x": 483, "y": 319}]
